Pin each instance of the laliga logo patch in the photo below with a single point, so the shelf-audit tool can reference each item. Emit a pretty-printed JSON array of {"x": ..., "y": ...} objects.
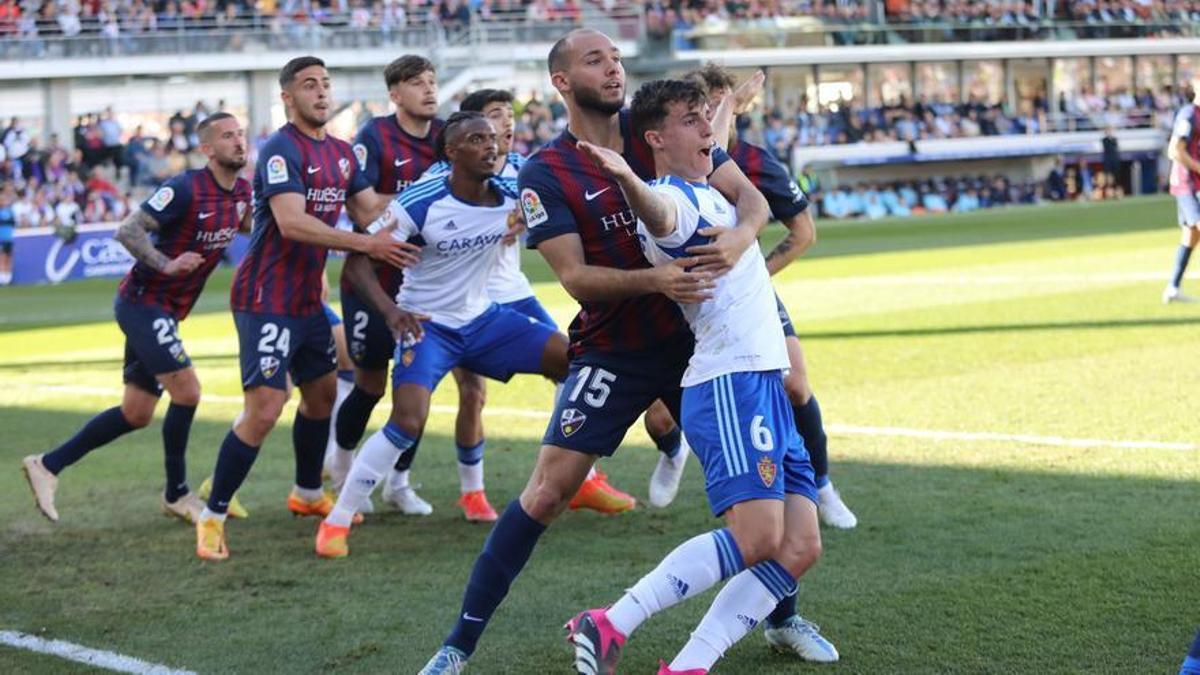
[
  {"x": 360, "y": 153},
  {"x": 766, "y": 471},
  {"x": 162, "y": 198},
  {"x": 277, "y": 171},
  {"x": 269, "y": 365},
  {"x": 407, "y": 357},
  {"x": 241, "y": 209},
  {"x": 571, "y": 420},
  {"x": 535, "y": 211},
  {"x": 344, "y": 167}
]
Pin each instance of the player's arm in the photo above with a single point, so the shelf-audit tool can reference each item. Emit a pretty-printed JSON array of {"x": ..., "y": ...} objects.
[
  {"x": 594, "y": 283},
  {"x": 164, "y": 209},
  {"x": 366, "y": 206},
  {"x": 736, "y": 103},
  {"x": 1177, "y": 152},
  {"x": 296, "y": 224},
  {"x": 801, "y": 235},
  {"x": 728, "y": 244},
  {"x": 360, "y": 273},
  {"x": 656, "y": 211}
]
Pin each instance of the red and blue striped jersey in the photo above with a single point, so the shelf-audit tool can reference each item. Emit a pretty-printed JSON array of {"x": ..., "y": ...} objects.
[
  {"x": 1186, "y": 128},
  {"x": 563, "y": 192},
  {"x": 772, "y": 179},
  {"x": 392, "y": 159},
  {"x": 279, "y": 275},
  {"x": 194, "y": 213}
]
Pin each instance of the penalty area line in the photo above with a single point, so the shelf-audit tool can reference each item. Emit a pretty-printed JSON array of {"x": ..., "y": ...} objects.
[{"x": 80, "y": 654}]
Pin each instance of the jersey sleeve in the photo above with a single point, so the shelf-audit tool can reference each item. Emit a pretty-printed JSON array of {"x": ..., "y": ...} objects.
[
  {"x": 358, "y": 180},
  {"x": 438, "y": 168},
  {"x": 687, "y": 218},
  {"x": 405, "y": 226},
  {"x": 547, "y": 213},
  {"x": 367, "y": 152},
  {"x": 719, "y": 157},
  {"x": 1182, "y": 128},
  {"x": 279, "y": 167},
  {"x": 168, "y": 205},
  {"x": 783, "y": 194}
]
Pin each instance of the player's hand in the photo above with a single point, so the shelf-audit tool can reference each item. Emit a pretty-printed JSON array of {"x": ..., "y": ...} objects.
[
  {"x": 184, "y": 263},
  {"x": 406, "y": 326},
  {"x": 746, "y": 92},
  {"x": 382, "y": 246},
  {"x": 610, "y": 161},
  {"x": 719, "y": 255},
  {"x": 683, "y": 285},
  {"x": 516, "y": 226}
]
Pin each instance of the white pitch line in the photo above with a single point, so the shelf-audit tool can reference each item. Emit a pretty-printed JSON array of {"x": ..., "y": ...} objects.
[
  {"x": 80, "y": 654},
  {"x": 840, "y": 429}
]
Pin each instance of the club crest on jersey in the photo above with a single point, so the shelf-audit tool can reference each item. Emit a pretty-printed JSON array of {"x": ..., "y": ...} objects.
[
  {"x": 357, "y": 349},
  {"x": 407, "y": 357},
  {"x": 571, "y": 420},
  {"x": 241, "y": 209},
  {"x": 535, "y": 211},
  {"x": 268, "y": 365},
  {"x": 360, "y": 153},
  {"x": 277, "y": 171},
  {"x": 766, "y": 471},
  {"x": 162, "y": 198},
  {"x": 344, "y": 167}
]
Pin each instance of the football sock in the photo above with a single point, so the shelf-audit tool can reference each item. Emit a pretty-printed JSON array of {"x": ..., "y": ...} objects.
[
  {"x": 669, "y": 444},
  {"x": 398, "y": 480},
  {"x": 1181, "y": 262},
  {"x": 101, "y": 429},
  {"x": 470, "y": 467},
  {"x": 344, "y": 388},
  {"x": 737, "y": 609},
  {"x": 345, "y": 378},
  {"x": 352, "y": 418},
  {"x": 233, "y": 464},
  {"x": 505, "y": 552},
  {"x": 1191, "y": 664},
  {"x": 785, "y": 610},
  {"x": 404, "y": 462},
  {"x": 812, "y": 430},
  {"x": 309, "y": 437},
  {"x": 176, "y": 426},
  {"x": 371, "y": 464},
  {"x": 692, "y": 568}
]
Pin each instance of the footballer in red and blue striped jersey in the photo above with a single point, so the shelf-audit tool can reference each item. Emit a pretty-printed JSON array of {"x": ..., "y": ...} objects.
[{"x": 772, "y": 179}]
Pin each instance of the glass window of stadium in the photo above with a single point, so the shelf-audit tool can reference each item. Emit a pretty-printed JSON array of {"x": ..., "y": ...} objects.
[
  {"x": 25, "y": 102},
  {"x": 938, "y": 81},
  {"x": 1029, "y": 84},
  {"x": 1155, "y": 72},
  {"x": 1072, "y": 81},
  {"x": 984, "y": 81},
  {"x": 1114, "y": 75},
  {"x": 890, "y": 84},
  {"x": 1189, "y": 67},
  {"x": 840, "y": 83},
  {"x": 152, "y": 102}
]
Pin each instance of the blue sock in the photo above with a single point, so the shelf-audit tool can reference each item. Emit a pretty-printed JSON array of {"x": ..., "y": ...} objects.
[
  {"x": 669, "y": 444},
  {"x": 1191, "y": 665},
  {"x": 352, "y": 417},
  {"x": 404, "y": 462},
  {"x": 776, "y": 578},
  {"x": 100, "y": 430},
  {"x": 346, "y": 375},
  {"x": 470, "y": 456},
  {"x": 175, "y": 429},
  {"x": 1181, "y": 262},
  {"x": 785, "y": 610},
  {"x": 233, "y": 464},
  {"x": 505, "y": 553},
  {"x": 309, "y": 438},
  {"x": 812, "y": 430}
]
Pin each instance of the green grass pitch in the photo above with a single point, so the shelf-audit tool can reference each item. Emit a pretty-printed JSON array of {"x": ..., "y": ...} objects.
[{"x": 1002, "y": 553}]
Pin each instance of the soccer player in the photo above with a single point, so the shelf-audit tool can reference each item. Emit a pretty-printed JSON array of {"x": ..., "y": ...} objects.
[
  {"x": 735, "y": 412},
  {"x": 509, "y": 287},
  {"x": 1184, "y": 151},
  {"x": 178, "y": 237},
  {"x": 393, "y": 151},
  {"x": 303, "y": 179},
  {"x": 629, "y": 343},
  {"x": 461, "y": 220},
  {"x": 1191, "y": 664}
]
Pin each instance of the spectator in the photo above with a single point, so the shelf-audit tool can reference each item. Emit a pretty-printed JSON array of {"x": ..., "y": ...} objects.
[{"x": 1111, "y": 154}]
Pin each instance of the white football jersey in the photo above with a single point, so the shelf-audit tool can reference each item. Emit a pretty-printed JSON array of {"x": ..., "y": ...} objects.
[
  {"x": 507, "y": 283},
  {"x": 460, "y": 250},
  {"x": 737, "y": 330}
]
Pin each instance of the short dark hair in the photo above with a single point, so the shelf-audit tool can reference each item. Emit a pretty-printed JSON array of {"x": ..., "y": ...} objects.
[
  {"x": 710, "y": 76},
  {"x": 207, "y": 122},
  {"x": 478, "y": 100},
  {"x": 649, "y": 107},
  {"x": 558, "y": 53},
  {"x": 289, "y": 70},
  {"x": 439, "y": 143},
  {"x": 406, "y": 68}
]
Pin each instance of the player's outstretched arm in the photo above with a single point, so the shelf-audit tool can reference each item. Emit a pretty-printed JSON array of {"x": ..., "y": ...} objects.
[
  {"x": 594, "y": 283},
  {"x": 360, "y": 273},
  {"x": 654, "y": 210},
  {"x": 134, "y": 235},
  {"x": 801, "y": 235},
  {"x": 295, "y": 223}
]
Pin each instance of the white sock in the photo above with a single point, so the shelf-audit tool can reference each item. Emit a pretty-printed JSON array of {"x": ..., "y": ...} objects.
[
  {"x": 343, "y": 390},
  {"x": 738, "y": 608},
  {"x": 209, "y": 514},
  {"x": 591, "y": 473},
  {"x": 470, "y": 476},
  {"x": 397, "y": 480},
  {"x": 373, "y": 462},
  {"x": 693, "y": 567},
  {"x": 308, "y": 494}
]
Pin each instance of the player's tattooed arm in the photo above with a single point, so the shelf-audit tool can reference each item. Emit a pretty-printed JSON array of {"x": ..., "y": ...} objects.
[
  {"x": 801, "y": 235},
  {"x": 134, "y": 235}
]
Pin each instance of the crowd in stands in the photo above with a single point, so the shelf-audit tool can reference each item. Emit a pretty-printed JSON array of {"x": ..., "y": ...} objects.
[{"x": 933, "y": 196}]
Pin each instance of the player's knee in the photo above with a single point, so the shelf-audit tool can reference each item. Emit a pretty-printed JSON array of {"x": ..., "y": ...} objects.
[
  {"x": 761, "y": 542},
  {"x": 187, "y": 394},
  {"x": 472, "y": 394},
  {"x": 796, "y": 386},
  {"x": 138, "y": 416},
  {"x": 545, "y": 501},
  {"x": 260, "y": 419},
  {"x": 658, "y": 420},
  {"x": 409, "y": 422},
  {"x": 798, "y": 554}
]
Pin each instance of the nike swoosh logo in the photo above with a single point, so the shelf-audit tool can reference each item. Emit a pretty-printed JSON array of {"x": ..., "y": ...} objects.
[
  {"x": 313, "y": 169},
  {"x": 589, "y": 196},
  {"x": 402, "y": 162},
  {"x": 202, "y": 215},
  {"x": 468, "y": 617}
]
